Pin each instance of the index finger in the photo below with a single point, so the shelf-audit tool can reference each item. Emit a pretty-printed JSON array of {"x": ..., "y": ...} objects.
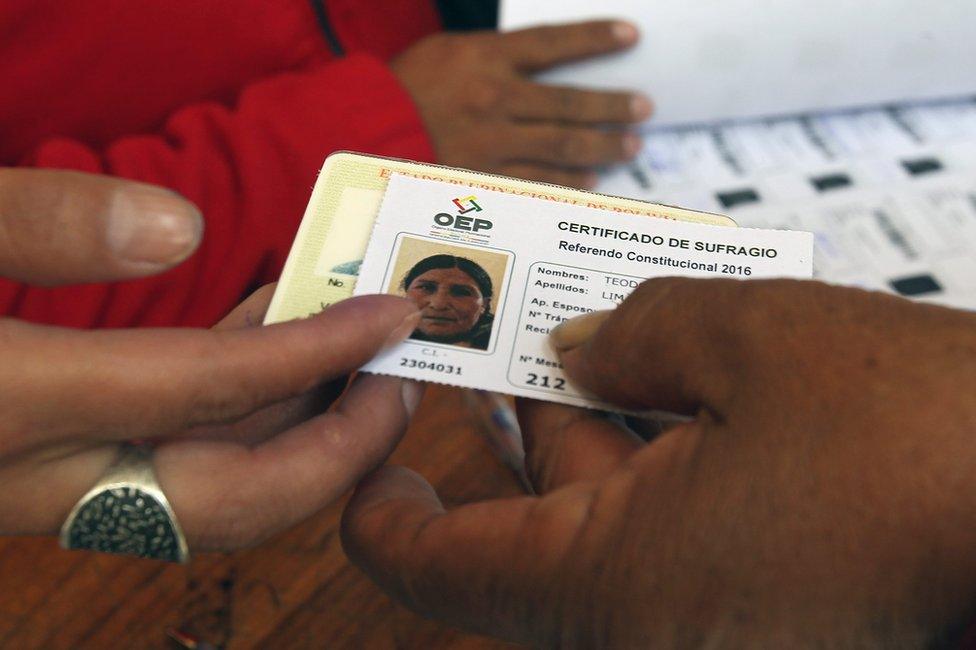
[
  {"x": 538, "y": 48},
  {"x": 105, "y": 385}
]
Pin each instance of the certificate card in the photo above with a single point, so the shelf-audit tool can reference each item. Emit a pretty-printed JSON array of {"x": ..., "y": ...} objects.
[
  {"x": 331, "y": 241},
  {"x": 492, "y": 273}
]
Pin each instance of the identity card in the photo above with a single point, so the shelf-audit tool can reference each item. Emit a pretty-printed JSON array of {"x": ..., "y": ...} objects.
[
  {"x": 494, "y": 270},
  {"x": 331, "y": 241}
]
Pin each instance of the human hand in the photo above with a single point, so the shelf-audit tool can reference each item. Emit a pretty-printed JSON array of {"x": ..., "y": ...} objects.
[
  {"x": 242, "y": 447},
  {"x": 484, "y": 112},
  {"x": 823, "y": 495}
]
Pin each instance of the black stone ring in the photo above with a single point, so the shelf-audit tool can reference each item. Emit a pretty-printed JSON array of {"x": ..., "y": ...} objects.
[{"x": 126, "y": 513}]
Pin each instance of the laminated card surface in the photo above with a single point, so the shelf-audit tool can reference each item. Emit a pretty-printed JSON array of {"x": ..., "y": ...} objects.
[
  {"x": 324, "y": 260},
  {"x": 493, "y": 272}
]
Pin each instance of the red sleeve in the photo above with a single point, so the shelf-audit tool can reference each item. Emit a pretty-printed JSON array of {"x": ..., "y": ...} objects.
[
  {"x": 250, "y": 170},
  {"x": 382, "y": 28}
]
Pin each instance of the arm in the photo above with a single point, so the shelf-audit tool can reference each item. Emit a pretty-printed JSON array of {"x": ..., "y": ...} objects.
[{"x": 249, "y": 169}]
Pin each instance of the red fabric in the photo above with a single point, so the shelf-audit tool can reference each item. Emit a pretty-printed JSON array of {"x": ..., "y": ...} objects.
[{"x": 233, "y": 104}]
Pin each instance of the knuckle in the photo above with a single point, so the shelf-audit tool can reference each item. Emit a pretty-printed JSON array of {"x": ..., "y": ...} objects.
[
  {"x": 226, "y": 396},
  {"x": 216, "y": 404},
  {"x": 489, "y": 97},
  {"x": 549, "y": 37},
  {"x": 616, "y": 107},
  {"x": 569, "y": 102},
  {"x": 232, "y": 525},
  {"x": 609, "y": 148},
  {"x": 644, "y": 309},
  {"x": 466, "y": 49},
  {"x": 441, "y": 48},
  {"x": 569, "y": 147},
  {"x": 243, "y": 516},
  {"x": 736, "y": 318},
  {"x": 783, "y": 304},
  {"x": 562, "y": 517},
  {"x": 488, "y": 146}
]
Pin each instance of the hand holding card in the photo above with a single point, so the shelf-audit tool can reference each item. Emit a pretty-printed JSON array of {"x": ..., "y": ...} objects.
[{"x": 492, "y": 287}]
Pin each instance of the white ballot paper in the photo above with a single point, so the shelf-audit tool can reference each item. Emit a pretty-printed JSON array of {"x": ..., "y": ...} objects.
[
  {"x": 526, "y": 266},
  {"x": 722, "y": 59},
  {"x": 887, "y": 185}
]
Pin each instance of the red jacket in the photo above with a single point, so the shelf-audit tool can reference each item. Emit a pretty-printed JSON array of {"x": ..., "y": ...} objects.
[{"x": 232, "y": 103}]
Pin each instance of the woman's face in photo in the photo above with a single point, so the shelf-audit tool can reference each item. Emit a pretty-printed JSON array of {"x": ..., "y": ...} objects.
[{"x": 450, "y": 302}]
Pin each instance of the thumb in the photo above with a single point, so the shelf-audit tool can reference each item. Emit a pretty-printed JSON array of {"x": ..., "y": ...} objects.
[
  {"x": 675, "y": 344},
  {"x": 61, "y": 227}
]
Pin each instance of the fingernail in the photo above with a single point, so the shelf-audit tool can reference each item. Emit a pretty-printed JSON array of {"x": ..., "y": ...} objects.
[
  {"x": 575, "y": 332},
  {"x": 413, "y": 392},
  {"x": 403, "y": 330},
  {"x": 632, "y": 145},
  {"x": 152, "y": 226},
  {"x": 641, "y": 107},
  {"x": 625, "y": 32}
]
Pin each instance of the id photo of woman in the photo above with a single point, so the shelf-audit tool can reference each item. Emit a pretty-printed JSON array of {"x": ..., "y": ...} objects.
[{"x": 454, "y": 288}]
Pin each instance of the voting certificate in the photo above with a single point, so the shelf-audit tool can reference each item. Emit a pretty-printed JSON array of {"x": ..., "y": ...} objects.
[
  {"x": 492, "y": 273},
  {"x": 329, "y": 247}
]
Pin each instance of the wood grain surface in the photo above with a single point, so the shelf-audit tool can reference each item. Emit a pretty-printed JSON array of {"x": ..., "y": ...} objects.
[{"x": 295, "y": 591}]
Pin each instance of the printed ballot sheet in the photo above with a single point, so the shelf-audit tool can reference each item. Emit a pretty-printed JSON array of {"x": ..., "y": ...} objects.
[
  {"x": 887, "y": 187},
  {"x": 890, "y": 193},
  {"x": 494, "y": 272}
]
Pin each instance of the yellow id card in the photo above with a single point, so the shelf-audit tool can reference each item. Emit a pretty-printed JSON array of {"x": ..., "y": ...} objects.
[{"x": 323, "y": 264}]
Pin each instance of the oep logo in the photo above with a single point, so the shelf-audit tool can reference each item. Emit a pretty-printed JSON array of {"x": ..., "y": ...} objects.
[{"x": 460, "y": 221}]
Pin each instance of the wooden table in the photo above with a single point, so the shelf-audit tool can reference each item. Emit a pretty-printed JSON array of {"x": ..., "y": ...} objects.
[{"x": 295, "y": 591}]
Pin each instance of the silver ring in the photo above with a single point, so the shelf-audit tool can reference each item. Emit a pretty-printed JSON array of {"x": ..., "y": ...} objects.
[{"x": 127, "y": 513}]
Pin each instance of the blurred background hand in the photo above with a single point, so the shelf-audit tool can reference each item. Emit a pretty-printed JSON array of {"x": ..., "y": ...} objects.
[{"x": 484, "y": 112}]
